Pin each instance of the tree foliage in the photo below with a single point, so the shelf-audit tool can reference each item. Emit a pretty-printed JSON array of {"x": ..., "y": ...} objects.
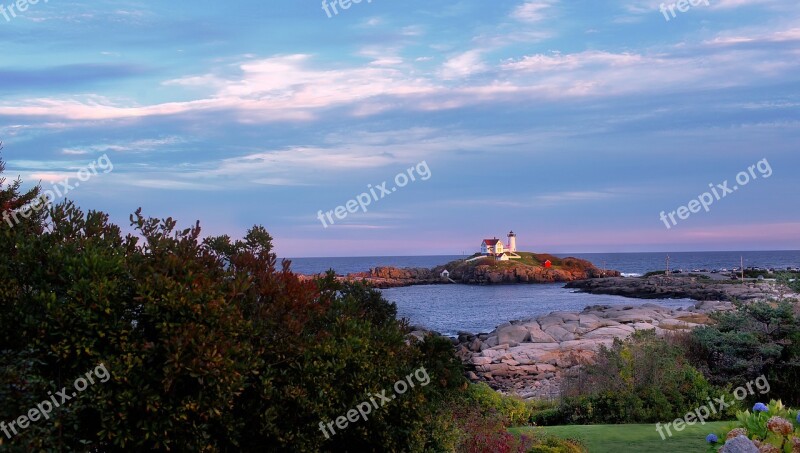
[
  {"x": 757, "y": 338},
  {"x": 211, "y": 345}
]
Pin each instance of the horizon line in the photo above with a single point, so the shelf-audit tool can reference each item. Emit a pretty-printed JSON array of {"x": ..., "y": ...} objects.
[{"x": 546, "y": 253}]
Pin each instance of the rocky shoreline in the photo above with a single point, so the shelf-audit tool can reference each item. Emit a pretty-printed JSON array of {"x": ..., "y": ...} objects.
[
  {"x": 674, "y": 287},
  {"x": 529, "y": 357}
]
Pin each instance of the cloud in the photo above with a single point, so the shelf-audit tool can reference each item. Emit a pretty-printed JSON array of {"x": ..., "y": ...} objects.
[
  {"x": 789, "y": 35},
  {"x": 463, "y": 65},
  {"x": 134, "y": 146},
  {"x": 298, "y": 88},
  {"x": 532, "y": 11},
  {"x": 557, "y": 61},
  {"x": 560, "y": 198}
]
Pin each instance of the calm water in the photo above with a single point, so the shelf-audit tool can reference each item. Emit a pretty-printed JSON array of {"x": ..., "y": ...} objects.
[
  {"x": 629, "y": 263},
  {"x": 344, "y": 266},
  {"x": 449, "y": 309}
]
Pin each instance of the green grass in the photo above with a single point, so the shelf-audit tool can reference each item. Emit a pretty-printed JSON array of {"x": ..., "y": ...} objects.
[{"x": 633, "y": 438}]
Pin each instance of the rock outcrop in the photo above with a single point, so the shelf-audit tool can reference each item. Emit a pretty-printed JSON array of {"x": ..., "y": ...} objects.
[
  {"x": 388, "y": 277},
  {"x": 528, "y": 357},
  {"x": 489, "y": 272},
  {"x": 673, "y": 287}
]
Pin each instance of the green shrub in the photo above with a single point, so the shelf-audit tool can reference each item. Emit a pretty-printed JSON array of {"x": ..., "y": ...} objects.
[
  {"x": 547, "y": 417},
  {"x": 644, "y": 379},
  {"x": 758, "y": 338},
  {"x": 210, "y": 344},
  {"x": 517, "y": 411}
]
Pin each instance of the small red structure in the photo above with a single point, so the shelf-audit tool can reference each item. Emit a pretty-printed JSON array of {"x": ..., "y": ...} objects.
[{"x": 548, "y": 264}]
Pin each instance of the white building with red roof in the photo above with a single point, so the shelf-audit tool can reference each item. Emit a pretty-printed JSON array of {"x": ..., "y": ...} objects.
[
  {"x": 491, "y": 246},
  {"x": 495, "y": 248}
]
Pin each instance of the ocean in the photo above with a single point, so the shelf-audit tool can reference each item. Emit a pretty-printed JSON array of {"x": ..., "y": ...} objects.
[{"x": 449, "y": 309}]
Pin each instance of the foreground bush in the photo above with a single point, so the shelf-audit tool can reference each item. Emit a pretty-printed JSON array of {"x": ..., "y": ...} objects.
[
  {"x": 208, "y": 345},
  {"x": 482, "y": 420},
  {"x": 644, "y": 379}
]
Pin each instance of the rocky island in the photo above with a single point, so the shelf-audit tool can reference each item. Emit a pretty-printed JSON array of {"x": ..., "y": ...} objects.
[{"x": 481, "y": 270}]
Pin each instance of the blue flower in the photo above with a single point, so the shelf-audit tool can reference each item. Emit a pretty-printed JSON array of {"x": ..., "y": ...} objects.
[
  {"x": 798, "y": 417},
  {"x": 712, "y": 438},
  {"x": 760, "y": 407}
]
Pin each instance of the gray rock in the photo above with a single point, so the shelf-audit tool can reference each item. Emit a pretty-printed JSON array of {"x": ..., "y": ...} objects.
[
  {"x": 478, "y": 361},
  {"x": 513, "y": 335},
  {"x": 559, "y": 333},
  {"x": 589, "y": 321},
  {"x": 549, "y": 321},
  {"x": 475, "y": 346},
  {"x": 739, "y": 444},
  {"x": 644, "y": 326},
  {"x": 538, "y": 336},
  {"x": 620, "y": 331}
]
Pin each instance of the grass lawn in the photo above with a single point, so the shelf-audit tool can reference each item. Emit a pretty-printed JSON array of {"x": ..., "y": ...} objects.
[{"x": 633, "y": 438}]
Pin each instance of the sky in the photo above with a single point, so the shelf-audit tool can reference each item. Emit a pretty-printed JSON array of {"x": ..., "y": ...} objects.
[{"x": 574, "y": 123}]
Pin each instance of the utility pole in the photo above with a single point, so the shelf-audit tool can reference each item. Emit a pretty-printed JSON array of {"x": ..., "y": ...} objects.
[{"x": 742, "y": 258}]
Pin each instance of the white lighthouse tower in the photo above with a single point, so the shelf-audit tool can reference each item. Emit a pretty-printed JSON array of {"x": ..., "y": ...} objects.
[{"x": 512, "y": 242}]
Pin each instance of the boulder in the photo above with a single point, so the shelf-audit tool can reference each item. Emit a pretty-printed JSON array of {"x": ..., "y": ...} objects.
[
  {"x": 475, "y": 346},
  {"x": 513, "y": 335},
  {"x": 589, "y": 321},
  {"x": 644, "y": 326},
  {"x": 477, "y": 361},
  {"x": 586, "y": 344},
  {"x": 559, "y": 333},
  {"x": 620, "y": 332},
  {"x": 539, "y": 336}
]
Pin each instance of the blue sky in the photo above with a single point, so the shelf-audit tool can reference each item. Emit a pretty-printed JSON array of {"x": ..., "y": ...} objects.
[{"x": 575, "y": 123}]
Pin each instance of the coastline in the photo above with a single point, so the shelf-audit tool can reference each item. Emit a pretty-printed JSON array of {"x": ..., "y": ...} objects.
[{"x": 529, "y": 357}]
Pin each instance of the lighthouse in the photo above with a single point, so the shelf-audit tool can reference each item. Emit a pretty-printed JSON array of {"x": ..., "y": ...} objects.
[{"x": 512, "y": 242}]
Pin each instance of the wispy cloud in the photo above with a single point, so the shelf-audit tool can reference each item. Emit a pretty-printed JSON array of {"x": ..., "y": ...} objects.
[
  {"x": 143, "y": 145},
  {"x": 533, "y": 11}
]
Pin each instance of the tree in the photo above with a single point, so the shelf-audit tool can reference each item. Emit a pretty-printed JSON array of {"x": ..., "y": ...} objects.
[
  {"x": 757, "y": 338},
  {"x": 210, "y": 345},
  {"x": 787, "y": 282}
]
